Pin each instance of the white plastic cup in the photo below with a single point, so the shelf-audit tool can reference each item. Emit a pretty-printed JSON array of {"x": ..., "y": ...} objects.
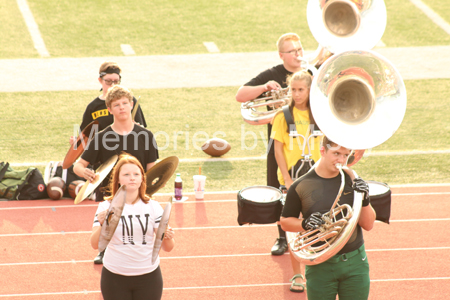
[{"x": 199, "y": 186}]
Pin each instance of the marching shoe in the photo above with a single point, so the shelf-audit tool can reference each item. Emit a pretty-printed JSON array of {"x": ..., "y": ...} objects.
[
  {"x": 280, "y": 246},
  {"x": 98, "y": 260}
]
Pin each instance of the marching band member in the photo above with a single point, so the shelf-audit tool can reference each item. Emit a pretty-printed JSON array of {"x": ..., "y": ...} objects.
[
  {"x": 347, "y": 273},
  {"x": 288, "y": 150},
  {"x": 290, "y": 50},
  {"x": 122, "y": 135},
  {"x": 128, "y": 272},
  {"x": 109, "y": 75}
]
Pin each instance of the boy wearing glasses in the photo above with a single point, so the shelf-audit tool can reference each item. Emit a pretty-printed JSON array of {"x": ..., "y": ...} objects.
[
  {"x": 290, "y": 51},
  {"x": 109, "y": 75}
]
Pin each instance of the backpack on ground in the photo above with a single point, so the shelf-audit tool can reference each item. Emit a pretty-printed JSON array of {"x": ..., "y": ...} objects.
[{"x": 21, "y": 185}]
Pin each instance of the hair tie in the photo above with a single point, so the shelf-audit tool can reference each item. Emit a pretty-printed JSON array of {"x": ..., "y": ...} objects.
[{"x": 110, "y": 70}]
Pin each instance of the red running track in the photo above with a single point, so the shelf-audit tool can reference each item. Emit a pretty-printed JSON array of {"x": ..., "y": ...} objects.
[{"x": 45, "y": 251}]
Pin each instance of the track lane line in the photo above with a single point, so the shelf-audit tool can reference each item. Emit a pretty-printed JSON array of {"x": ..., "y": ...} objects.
[
  {"x": 203, "y": 228},
  {"x": 48, "y": 207},
  {"x": 213, "y": 256},
  {"x": 193, "y": 202},
  {"x": 282, "y": 284},
  {"x": 422, "y": 279}
]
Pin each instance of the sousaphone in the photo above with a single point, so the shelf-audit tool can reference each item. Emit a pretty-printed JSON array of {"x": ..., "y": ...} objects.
[
  {"x": 358, "y": 99},
  {"x": 255, "y": 112},
  {"x": 337, "y": 25},
  {"x": 343, "y": 25}
]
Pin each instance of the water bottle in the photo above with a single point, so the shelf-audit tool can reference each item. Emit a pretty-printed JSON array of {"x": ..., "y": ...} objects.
[{"x": 178, "y": 187}]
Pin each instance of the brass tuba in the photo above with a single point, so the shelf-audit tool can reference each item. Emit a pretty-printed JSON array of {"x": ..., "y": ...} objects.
[
  {"x": 355, "y": 94},
  {"x": 338, "y": 25},
  {"x": 254, "y": 111},
  {"x": 342, "y": 25}
]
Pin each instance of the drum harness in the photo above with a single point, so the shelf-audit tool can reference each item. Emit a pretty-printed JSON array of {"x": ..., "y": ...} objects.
[{"x": 292, "y": 130}]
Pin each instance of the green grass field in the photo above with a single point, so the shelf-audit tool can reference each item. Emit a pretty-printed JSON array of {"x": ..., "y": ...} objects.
[
  {"x": 35, "y": 126},
  {"x": 86, "y": 28}
]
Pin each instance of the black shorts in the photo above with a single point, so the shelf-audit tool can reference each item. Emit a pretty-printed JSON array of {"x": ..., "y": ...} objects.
[{"x": 119, "y": 287}]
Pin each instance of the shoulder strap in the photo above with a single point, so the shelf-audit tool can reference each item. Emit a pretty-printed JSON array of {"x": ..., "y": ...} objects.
[
  {"x": 289, "y": 119},
  {"x": 3, "y": 171}
]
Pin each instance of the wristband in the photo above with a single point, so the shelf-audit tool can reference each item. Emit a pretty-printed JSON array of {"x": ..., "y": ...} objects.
[{"x": 366, "y": 201}]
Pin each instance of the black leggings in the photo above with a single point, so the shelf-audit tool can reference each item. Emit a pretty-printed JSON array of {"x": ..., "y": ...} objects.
[{"x": 118, "y": 287}]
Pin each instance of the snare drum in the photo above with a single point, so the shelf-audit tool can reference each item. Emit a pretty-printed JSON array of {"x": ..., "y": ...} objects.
[
  {"x": 380, "y": 198},
  {"x": 259, "y": 205}
]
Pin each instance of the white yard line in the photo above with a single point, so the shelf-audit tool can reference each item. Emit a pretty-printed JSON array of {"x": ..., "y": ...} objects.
[
  {"x": 33, "y": 28},
  {"x": 421, "y": 279},
  {"x": 211, "y": 47},
  {"x": 127, "y": 49},
  {"x": 432, "y": 15}
]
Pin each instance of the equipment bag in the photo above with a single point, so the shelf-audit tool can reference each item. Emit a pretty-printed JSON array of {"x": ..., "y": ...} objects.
[{"x": 21, "y": 185}]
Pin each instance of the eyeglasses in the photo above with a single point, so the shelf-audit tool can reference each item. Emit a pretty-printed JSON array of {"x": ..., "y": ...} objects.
[
  {"x": 110, "y": 82},
  {"x": 295, "y": 51}
]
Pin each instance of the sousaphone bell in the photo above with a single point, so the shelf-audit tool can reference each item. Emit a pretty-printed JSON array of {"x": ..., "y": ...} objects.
[{"x": 342, "y": 25}]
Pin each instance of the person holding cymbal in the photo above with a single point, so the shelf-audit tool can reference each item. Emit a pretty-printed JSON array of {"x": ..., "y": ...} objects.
[
  {"x": 128, "y": 271},
  {"x": 122, "y": 135}
]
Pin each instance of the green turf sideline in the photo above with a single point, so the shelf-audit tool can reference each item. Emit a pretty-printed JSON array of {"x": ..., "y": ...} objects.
[{"x": 75, "y": 29}]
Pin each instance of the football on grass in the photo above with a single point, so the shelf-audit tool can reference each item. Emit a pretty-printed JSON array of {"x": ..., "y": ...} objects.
[
  {"x": 216, "y": 147},
  {"x": 74, "y": 188},
  {"x": 55, "y": 188}
]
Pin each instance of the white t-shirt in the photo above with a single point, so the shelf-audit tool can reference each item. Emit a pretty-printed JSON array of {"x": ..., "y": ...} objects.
[{"x": 130, "y": 251}]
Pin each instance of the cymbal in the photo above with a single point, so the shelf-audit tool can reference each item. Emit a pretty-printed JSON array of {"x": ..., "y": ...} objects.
[
  {"x": 100, "y": 175},
  {"x": 160, "y": 173},
  {"x": 78, "y": 146},
  {"x": 135, "y": 108},
  {"x": 112, "y": 218},
  {"x": 161, "y": 230}
]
